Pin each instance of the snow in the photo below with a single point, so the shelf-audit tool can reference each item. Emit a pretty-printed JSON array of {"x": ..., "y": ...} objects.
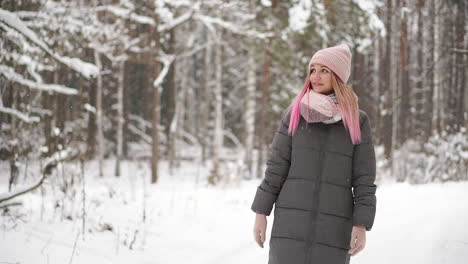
[
  {"x": 299, "y": 14},
  {"x": 187, "y": 221},
  {"x": 370, "y": 7},
  {"x": 90, "y": 108},
  {"x": 266, "y": 3}
]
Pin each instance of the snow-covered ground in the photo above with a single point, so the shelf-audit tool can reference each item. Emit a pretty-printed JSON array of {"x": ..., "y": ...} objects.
[{"x": 194, "y": 223}]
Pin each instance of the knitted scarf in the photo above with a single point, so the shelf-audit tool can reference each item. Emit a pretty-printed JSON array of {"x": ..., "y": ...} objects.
[{"x": 322, "y": 108}]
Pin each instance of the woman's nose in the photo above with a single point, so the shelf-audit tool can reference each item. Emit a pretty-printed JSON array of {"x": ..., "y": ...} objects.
[{"x": 315, "y": 77}]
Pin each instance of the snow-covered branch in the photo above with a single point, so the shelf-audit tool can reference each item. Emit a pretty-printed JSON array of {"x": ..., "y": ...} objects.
[
  {"x": 167, "y": 61},
  {"x": 19, "y": 114},
  {"x": 48, "y": 164},
  {"x": 190, "y": 138},
  {"x": 140, "y": 120},
  {"x": 139, "y": 132},
  {"x": 210, "y": 21},
  {"x": 234, "y": 139},
  {"x": 11, "y": 20},
  {"x": 174, "y": 23},
  {"x": 90, "y": 108},
  {"x": 193, "y": 51},
  {"x": 127, "y": 14},
  {"x": 11, "y": 75}
]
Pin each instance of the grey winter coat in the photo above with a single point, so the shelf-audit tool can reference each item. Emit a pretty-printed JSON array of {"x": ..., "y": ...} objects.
[{"x": 321, "y": 185}]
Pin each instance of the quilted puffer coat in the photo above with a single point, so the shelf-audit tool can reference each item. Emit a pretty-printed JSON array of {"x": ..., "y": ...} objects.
[{"x": 321, "y": 185}]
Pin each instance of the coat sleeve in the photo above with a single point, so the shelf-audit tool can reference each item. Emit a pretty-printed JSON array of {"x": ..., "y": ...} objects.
[
  {"x": 363, "y": 177},
  {"x": 277, "y": 170}
]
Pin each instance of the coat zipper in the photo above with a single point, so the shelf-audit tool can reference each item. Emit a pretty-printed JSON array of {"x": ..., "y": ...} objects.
[{"x": 317, "y": 194}]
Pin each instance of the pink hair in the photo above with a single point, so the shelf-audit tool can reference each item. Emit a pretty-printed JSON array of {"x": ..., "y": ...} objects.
[{"x": 344, "y": 95}]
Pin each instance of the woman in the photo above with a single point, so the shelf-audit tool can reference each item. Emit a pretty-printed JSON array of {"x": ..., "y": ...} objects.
[{"x": 321, "y": 170}]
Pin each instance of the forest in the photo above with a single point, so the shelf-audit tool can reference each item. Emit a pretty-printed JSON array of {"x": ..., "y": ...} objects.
[
  {"x": 111, "y": 90},
  {"x": 149, "y": 80}
]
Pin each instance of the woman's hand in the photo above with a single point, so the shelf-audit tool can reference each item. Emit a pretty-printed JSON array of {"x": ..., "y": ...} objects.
[
  {"x": 358, "y": 239},
  {"x": 259, "y": 229}
]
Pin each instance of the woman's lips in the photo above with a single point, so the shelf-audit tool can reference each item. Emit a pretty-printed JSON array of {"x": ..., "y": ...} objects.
[{"x": 316, "y": 84}]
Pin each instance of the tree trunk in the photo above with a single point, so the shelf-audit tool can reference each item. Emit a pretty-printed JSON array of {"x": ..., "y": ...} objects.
[
  {"x": 417, "y": 128},
  {"x": 396, "y": 94},
  {"x": 264, "y": 108},
  {"x": 120, "y": 117},
  {"x": 437, "y": 98},
  {"x": 405, "y": 89},
  {"x": 428, "y": 104},
  {"x": 99, "y": 130},
  {"x": 170, "y": 91},
  {"x": 60, "y": 112},
  {"x": 460, "y": 66},
  {"x": 154, "y": 35},
  {"x": 215, "y": 176},
  {"x": 91, "y": 131},
  {"x": 178, "y": 120},
  {"x": 450, "y": 86},
  {"x": 386, "y": 88},
  {"x": 249, "y": 113},
  {"x": 206, "y": 105}
]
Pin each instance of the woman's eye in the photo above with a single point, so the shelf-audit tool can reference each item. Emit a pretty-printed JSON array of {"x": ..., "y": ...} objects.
[
  {"x": 312, "y": 70},
  {"x": 324, "y": 70}
]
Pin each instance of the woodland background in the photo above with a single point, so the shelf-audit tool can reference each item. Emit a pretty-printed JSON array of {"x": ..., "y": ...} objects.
[
  {"x": 207, "y": 81},
  {"x": 138, "y": 131}
]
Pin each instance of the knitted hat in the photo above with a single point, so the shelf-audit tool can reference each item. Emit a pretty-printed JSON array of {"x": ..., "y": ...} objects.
[{"x": 337, "y": 58}]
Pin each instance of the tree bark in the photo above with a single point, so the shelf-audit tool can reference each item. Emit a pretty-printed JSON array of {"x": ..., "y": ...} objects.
[
  {"x": 405, "y": 89},
  {"x": 264, "y": 108},
  {"x": 396, "y": 94},
  {"x": 249, "y": 113},
  {"x": 428, "y": 105},
  {"x": 436, "y": 123},
  {"x": 215, "y": 176},
  {"x": 154, "y": 53},
  {"x": 206, "y": 99},
  {"x": 120, "y": 116},
  {"x": 170, "y": 90},
  {"x": 99, "y": 130},
  {"x": 417, "y": 128},
  {"x": 386, "y": 88},
  {"x": 460, "y": 66}
]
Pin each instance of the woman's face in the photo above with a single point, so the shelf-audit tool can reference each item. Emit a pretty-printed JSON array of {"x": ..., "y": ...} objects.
[{"x": 320, "y": 78}]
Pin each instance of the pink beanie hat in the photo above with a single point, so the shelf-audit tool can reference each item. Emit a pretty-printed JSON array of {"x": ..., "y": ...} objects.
[{"x": 337, "y": 58}]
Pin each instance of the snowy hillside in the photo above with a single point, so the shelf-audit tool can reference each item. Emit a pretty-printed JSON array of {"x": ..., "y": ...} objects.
[{"x": 194, "y": 223}]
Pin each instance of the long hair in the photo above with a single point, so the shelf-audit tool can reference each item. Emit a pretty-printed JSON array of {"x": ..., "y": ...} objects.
[{"x": 347, "y": 104}]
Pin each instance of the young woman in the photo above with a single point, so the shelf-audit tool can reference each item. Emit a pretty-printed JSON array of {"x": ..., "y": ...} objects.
[{"x": 321, "y": 170}]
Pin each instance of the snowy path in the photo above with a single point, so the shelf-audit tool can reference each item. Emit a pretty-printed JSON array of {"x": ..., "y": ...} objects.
[{"x": 202, "y": 225}]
